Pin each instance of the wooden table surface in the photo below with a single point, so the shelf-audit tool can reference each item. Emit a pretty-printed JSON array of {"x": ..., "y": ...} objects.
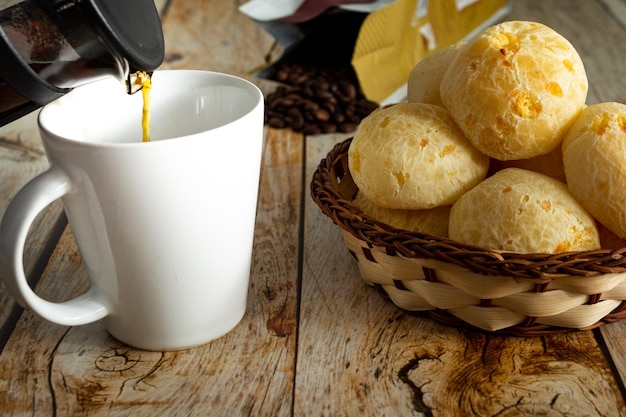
[{"x": 316, "y": 341}]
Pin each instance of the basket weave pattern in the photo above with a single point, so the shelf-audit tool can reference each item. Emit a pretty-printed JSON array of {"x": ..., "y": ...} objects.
[{"x": 463, "y": 285}]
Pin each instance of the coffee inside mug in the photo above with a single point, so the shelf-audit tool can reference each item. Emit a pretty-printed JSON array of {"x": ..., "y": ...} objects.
[{"x": 113, "y": 116}]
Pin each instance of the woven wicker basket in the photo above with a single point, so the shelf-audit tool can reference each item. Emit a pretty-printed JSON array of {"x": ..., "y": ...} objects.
[{"x": 462, "y": 285}]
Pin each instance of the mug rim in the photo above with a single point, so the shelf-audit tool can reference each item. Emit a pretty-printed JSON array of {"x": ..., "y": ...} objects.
[{"x": 233, "y": 80}]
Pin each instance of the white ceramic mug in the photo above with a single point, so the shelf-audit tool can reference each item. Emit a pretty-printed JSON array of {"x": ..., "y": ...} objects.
[{"x": 165, "y": 228}]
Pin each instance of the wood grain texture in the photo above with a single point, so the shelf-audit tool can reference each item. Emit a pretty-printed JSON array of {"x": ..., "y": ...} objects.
[{"x": 315, "y": 341}]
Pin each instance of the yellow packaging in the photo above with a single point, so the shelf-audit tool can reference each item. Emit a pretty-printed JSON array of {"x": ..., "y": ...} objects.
[{"x": 393, "y": 39}]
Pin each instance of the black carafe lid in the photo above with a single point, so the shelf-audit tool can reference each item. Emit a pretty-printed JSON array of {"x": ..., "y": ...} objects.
[
  {"x": 130, "y": 27},
  {"x": 108, "y": 37}
]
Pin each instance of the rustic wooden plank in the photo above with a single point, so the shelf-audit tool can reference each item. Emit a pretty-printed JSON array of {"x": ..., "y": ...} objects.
[
  {"x": 360, "y": 355},
  {"x": 214, "y": 35},
  {"x": 357, "y": 354},
  {"x": 32, "y": 345},
  {"x": 617, "y": 8},
  {"x": 614, "y": 336},
  {"x": 50, "y": 369}
]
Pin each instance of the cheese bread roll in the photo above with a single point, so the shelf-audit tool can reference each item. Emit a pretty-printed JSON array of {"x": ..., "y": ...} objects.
[
  {"x": 425, "y": 78},
  {"x": 412, "y": 156},
  {"x": 517, "y": 210},
  {"x": 594, "y": 158},
  {"x": 515, "y": 89},
  {"x": 430, "y": 221}
]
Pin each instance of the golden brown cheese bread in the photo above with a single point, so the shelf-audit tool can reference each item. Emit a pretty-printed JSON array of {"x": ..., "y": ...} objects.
[
  {"x": 515, "y": 89},
  {"x": 425, "y": 78},
  {"x": 412, "y": 156},
  {"x": 594, "y": 158},
  {"x": 517, "y": 210},
  {"x": 430, "y": 221}
]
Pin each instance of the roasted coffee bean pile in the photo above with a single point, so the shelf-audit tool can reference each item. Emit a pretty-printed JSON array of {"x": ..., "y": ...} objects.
[{"x": 316, "y": 100}]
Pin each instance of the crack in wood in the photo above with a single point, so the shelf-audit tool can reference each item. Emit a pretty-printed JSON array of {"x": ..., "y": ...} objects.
[
  {"x": 417, "y": 395},
  {"x": 163, "y": 360},
  {"x": 50, "y": 373}
]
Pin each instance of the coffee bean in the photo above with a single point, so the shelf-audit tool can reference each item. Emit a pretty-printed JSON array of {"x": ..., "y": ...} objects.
[
  {"x": 296, "y": 79},
  {"x": 339, "y": 117},
  {"x": 365, "y": 107},
  {"x": 276, "y": 122},
  {"x": 282, "y": 75},
  {"x": 327, "y": 96},
  {"x": 347, "y": 127},
  {"x": 348, "y": 90},
  {"x": 321, "y": 86},
  {"x": 309, "y": 105},
  {"x": 311, "y": 129},
  {"x": 331, "y": 107},
  {"x": 297, "y": 123},
  {"x": 316, "y": 100},
  {"x": 285, "y": 102},
  {"x": 322, "y": 115},
  {"x": 329, "y": 128}
]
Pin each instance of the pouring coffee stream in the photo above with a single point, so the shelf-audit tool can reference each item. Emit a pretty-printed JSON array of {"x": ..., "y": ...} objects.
[
  {"x": 48, "y": 47},
  {"x": 145, "y": 81}
]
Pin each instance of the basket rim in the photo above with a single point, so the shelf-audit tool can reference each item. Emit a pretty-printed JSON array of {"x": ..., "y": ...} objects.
[{"x": 333, "y": 169}]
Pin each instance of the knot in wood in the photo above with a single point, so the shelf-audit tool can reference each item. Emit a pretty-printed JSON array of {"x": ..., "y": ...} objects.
[{"x": 117, "y": 360}]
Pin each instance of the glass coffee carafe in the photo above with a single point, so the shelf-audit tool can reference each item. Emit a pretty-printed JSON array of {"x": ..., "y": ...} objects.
[{"x": 47, "y": 47}]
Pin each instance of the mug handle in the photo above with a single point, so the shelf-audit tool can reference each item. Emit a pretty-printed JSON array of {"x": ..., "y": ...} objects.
[{"x": 19, "y": 216}]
